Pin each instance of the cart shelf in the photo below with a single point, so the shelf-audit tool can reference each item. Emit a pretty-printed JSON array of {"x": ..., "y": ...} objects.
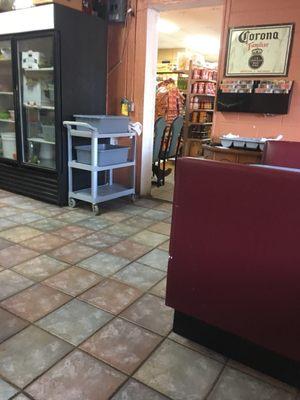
[
  {"x": 105, "y": 193},
  {"x": 89, "y": 134},
  {"x": 87, "y": 167}
]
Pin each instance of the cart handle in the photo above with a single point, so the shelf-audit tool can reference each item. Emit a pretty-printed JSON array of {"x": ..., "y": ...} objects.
[{"x": 80, "y": 124}]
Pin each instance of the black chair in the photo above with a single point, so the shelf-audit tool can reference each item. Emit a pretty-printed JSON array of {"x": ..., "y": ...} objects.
[{"x": 173, "y": 143}]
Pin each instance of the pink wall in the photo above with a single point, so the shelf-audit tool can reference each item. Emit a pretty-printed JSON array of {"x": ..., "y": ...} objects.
[{"x": 256, "y": 12}]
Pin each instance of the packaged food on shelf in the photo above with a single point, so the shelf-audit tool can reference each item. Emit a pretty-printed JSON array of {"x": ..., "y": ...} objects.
[
  {"x": 274, "y": 86},
  {"x": 37, "y": 91},
  {"x": 33, "y": 59}
]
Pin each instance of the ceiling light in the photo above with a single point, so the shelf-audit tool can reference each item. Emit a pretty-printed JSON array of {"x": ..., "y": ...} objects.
[
  {"x": 203, "y": 44},
  {"x": 165, "y": 26}
]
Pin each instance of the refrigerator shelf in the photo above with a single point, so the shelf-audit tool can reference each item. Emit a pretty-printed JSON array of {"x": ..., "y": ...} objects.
[
  {"x": 36, "y": 107},
  {"x": 39, "y": 140},
  {"x": 39, "y": 70},
  {"x": 9, "y": 121}
]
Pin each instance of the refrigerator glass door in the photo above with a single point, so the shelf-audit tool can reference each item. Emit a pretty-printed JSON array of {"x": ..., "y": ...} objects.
[
  {"x": 37, "y": 100},
  {"x": 7, "y": 108}
]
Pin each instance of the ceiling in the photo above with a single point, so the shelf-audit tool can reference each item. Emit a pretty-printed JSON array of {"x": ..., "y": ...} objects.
[{"x": 199, "y": 30}]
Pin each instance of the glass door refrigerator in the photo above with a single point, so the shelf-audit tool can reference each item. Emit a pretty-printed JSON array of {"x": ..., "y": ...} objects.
[
  {"x": 46, "y": 76},
  {"x": 8, "y": 149}
]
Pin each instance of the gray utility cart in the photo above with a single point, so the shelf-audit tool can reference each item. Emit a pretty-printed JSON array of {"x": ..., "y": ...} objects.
[{"x": 98, "y": 157}]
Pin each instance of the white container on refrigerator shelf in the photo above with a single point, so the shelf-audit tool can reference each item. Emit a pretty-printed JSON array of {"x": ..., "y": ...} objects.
[
  {"x": 36, "y": 92},
  {"x": 9, "y": 145},
  {"x": 32, "y": 59}
]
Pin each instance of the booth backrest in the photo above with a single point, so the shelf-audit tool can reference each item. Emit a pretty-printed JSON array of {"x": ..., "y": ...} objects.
[
  {"x": 234, "y": 252},
  {"x": 281, "y": 153}
]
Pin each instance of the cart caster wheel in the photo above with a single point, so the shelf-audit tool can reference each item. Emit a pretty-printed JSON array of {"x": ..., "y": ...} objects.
[
  {"x": 133, "y": 198},
  {"x": 72, "y": 203},
  {"x": 96, "y": 209}
]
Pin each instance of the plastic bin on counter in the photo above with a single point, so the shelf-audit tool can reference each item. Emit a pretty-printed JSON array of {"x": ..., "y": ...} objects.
[
  {"x": 105, "y": 123},
  {"x": 107, "y": 154}
]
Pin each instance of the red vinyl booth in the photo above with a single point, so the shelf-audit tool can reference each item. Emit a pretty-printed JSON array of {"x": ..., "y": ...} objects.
[
  {"x": 282, "y": 154},
  {"x": 234, "y": 267}
]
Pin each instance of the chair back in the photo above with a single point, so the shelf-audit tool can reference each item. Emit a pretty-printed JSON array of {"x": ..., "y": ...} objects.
[
  {"x": 159, "y": 133},
  {"x": 174, "y": 137},
  {"x": 282, "y": 153}
]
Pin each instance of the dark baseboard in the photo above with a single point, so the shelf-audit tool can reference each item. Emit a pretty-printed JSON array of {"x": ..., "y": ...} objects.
[{"x": 238, "y": 349}]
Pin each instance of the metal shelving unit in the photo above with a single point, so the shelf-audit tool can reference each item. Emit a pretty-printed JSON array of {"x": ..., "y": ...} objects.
[
  {"x": 188, "y": 137},
  {"x": 98, "y": 193}
]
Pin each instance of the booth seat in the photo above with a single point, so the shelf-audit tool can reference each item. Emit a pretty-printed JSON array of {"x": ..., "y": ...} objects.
[
  {"x": 282, "y": 153},
  {"x": 234, "y": 266}
]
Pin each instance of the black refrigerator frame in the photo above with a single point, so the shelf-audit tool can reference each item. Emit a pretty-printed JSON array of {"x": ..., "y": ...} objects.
[{"x": 80, "y": 88}]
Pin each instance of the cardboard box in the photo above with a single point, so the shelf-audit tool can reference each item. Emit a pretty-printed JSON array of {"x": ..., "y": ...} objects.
[{"x": 76, "y": 4}]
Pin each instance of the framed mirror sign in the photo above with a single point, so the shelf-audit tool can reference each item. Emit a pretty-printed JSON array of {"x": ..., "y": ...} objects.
[{"x": 259, "y": 50}]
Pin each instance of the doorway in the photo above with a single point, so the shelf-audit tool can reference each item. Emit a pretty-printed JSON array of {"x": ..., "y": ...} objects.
[{"x": 186, "y": 75}]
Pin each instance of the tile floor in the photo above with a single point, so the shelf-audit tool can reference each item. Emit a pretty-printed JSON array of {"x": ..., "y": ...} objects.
[
  {"x": 165, "y": 192},
  {"x": 83, "y": 316}
]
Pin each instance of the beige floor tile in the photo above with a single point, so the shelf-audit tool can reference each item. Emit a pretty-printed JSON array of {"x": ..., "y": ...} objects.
[
  {"x": 6, "y": 390},
  {"x": 45, "y": 242},
  {"x": 28, "y": 354},
  {"x": 77, "y": 376},
  {"x": 19, "y": 233},
  {"x": 100, "y": 240},
  {"x": 111, "y": 296},
  {"x": 149, "y": 238},
  {"x": 75, "y": 321},
  {"x": 35, "y": 302},
  {"x": 122, "y": 230},
  {"x": 139, "y": 222},
  {"x": 128, "y": 249},
  {"x": 151, "y": 313},
  {"x": 156, "y": 259},
  {"x": 72, "y": 232},
  {"x": 161, "y": 227},
  {"x": 4, "y": 243},
  {"x": 11, "y": 283},
  {"x": 180, "y": 373},
  {"x": 10, "y": 325},
  {"x": 40, "y": 268},
  {"x": 73, "y": 281},
  {"x": 160, "y": 289},
  {"x": 25, "y": 217},
  {"x": 21, "y": 397},
  {"x": 156, "y": 214},
  {"x": 234, "y": 384},
  {"x": 115, "y": 216},
  {"x": 122, "y": 345},
  {"x": 139, "y": 276},
  {"x": 133, "y": 390},
  {"x": 14, "y": 255},
  {"x": 104, "y": 264},
  {"x": 73, "y": 253},
  {"x": 165, "y": 246},
  {"x": 197, "y": 347}
]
